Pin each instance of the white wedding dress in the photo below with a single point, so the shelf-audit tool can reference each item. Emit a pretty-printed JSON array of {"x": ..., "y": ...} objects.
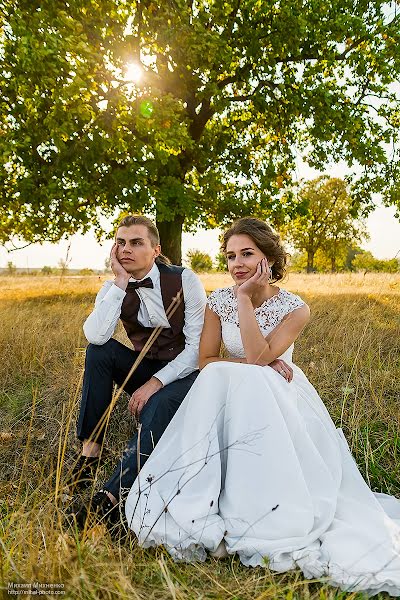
[{"x": 257, "y": 462}]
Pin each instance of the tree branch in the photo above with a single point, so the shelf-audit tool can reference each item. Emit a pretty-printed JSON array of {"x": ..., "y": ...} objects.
[
  {"x": 16, "y": 247},
  {"x": 363, "y": 90},
  {"x": 197, "y": 126},
  {"x": 258, "y": 88}
]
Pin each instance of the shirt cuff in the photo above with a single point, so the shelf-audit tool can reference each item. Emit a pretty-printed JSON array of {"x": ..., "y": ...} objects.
[
  {"x": 114, "y": 294},
  {"x": 166, "y": 375}
]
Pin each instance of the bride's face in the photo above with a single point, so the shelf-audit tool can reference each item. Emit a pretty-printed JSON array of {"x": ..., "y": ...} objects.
[{"x": 242, "y": 256}]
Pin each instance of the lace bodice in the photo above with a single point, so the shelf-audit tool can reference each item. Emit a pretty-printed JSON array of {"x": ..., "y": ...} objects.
[{"x": 271, "y": 312}]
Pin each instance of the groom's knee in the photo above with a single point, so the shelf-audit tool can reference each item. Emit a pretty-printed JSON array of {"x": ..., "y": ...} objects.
[{"x": 98, "y": 354}]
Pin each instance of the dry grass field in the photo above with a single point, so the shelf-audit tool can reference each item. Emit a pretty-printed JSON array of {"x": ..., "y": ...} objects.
[{"x": 349, "y": 351}]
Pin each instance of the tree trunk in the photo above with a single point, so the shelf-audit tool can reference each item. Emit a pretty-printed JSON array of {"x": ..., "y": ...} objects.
[
  {"x": 310, "y": 262},
  {"x": 171, "y": 239},
  {"x": 333, "y": 264}
]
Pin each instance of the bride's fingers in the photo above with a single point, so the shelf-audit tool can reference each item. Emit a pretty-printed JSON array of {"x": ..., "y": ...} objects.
[
  {"x": 263, "y": 272},
  {"x": 257, "y": 274},
  {"x": 288, "y": 373},
  {"x": 284, "y": 370}
]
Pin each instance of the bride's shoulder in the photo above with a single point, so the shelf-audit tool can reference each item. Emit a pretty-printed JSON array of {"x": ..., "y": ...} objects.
[
  {"x": 289, "y": 300},
  {"x": 220, "y": 298}
]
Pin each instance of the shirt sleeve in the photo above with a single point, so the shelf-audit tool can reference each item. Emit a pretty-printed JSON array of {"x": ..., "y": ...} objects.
[
  {"x": 100, "y": 325},
  {"x": 188, "y": 360}
]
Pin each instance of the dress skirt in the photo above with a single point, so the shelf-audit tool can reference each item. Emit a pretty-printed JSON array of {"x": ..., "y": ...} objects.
[{"x": 257, "y": 462}]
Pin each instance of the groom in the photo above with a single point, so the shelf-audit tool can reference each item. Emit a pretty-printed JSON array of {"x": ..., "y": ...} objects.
[{"x": 143, "y": 289}]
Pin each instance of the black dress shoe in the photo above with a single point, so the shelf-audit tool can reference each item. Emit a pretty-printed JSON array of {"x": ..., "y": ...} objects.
[
  {"x": 83, "y": 473},
  {"x": 99, "y": 509}
]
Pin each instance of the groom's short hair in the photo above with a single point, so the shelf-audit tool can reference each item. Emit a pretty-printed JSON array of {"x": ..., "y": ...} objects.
[
  {"x": 130, "y": 220},
  {"x": 152, "y": 230}
]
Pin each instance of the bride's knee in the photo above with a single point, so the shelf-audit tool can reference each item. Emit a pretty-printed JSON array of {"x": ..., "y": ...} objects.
[
  {"x": 218, "y": 365},
  {"x": 222, "y": 367},
  {"x": 209, "y": 368}
]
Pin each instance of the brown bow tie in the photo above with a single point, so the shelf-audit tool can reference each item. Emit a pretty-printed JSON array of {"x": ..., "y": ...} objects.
[{"x": 134, "y": 285}]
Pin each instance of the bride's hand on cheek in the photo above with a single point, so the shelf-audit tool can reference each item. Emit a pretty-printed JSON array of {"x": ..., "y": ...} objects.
[{"x": 257, "y": 282}]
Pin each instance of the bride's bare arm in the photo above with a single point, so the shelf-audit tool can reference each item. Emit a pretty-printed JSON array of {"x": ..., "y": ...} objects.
[
  {"x": 262, "y": 351},
  {"x": 210, "y": 341}
]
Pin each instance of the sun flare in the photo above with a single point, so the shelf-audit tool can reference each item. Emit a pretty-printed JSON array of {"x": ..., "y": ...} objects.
[{"x": 133, "y": 72}]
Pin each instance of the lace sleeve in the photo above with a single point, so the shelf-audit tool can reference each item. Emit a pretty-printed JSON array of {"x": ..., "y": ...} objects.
[
  {"x": 292, "y": 302},
  {"x": 214, "y": 302},
  {"x": 273, "y": 310}
]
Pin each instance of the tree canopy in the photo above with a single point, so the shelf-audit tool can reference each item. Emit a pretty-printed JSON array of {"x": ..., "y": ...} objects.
[
  {"x": 230, "y": 91},
  {"x": 324, "y": 221}
]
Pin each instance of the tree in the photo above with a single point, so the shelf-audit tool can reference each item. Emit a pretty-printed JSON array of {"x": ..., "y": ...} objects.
[
  {"x": 199, "y": 261},
  {"x": 344, "y": 232},
  {"x": 365, "y": 261},
  {"x": 229, "y": 92},
  {"x": 63, "y": 263},
  {"x": 221, "y": 263},
  {"x": 11, "y": 268},
  {"x": 46, "y": 270},
  {"x": 325, "y": 221},
  {"x": 323, "y": 263},
  {"x": 107, "y": 264},
  {"x": 63, "y": 266}
]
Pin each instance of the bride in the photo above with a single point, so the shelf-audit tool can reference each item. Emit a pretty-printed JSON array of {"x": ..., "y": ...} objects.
[{"x": 252, "y": 463}]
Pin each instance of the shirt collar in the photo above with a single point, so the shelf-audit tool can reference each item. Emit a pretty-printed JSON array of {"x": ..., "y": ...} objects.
[{"x": 154, "y": 275}]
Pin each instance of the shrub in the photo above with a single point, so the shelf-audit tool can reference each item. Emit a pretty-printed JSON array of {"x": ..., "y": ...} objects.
[
  {"x": 11, "y": 268},
  {"x": 47, "y": 270},
  {"x": 220, "y": 260},
  {"x": 199, "y": 261},
  {"x": 86, "y": 271},
  {"x": 365, "y": 261}
]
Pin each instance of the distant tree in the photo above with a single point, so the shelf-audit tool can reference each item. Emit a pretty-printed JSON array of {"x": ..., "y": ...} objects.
[
  {"x": 192, "y": 111},
  {"x": 325, "y": 220},
  {"x": 220, "y": 260},
  {"x": 353, "y": 259},
  {"x": 63, "y": 266},
  {"x": 47, "y": 270},
  {"x": 86, "y": 271},
  {"x": 11, "y": 268},
  {"x": 322, "y": 262},
  {"x": 107, "y": 264},
  {"x": 199, "y": 261},
  {"x": 298, "y": 262},
  {"x": 63, "y": 263},
  {"x": 352, "y": 252},
  {"x": 391, "y": 265},
  {"x": 365, "y": 261}
]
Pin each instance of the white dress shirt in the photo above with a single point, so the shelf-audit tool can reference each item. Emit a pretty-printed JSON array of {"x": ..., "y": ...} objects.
[{"x": 100, "y": 325}]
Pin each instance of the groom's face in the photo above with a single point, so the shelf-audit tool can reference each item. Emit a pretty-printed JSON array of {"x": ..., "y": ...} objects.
[
  {"x": 135, "y": 250},
  {"x": 243, "y": 257}
]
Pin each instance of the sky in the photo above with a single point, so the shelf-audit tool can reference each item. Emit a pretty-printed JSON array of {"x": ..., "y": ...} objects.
[{"x": 86, "y": 252}]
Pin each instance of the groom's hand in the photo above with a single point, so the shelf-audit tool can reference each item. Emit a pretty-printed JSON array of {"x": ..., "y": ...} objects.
[
  {"x": 282, "y": 368},
  {"x": 142, "y": 394},
  {"x": 121, "y": 276}
]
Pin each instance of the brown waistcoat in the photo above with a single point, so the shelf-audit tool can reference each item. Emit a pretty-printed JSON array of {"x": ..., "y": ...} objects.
[{"x": 171, "y": 341}]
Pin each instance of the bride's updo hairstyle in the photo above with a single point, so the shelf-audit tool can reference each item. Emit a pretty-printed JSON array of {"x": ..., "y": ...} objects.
[{"x": 264, "y": 238}]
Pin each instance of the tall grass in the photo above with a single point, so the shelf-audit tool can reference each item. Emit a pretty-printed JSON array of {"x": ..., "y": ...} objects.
[{"x": 349, "y": 351}]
